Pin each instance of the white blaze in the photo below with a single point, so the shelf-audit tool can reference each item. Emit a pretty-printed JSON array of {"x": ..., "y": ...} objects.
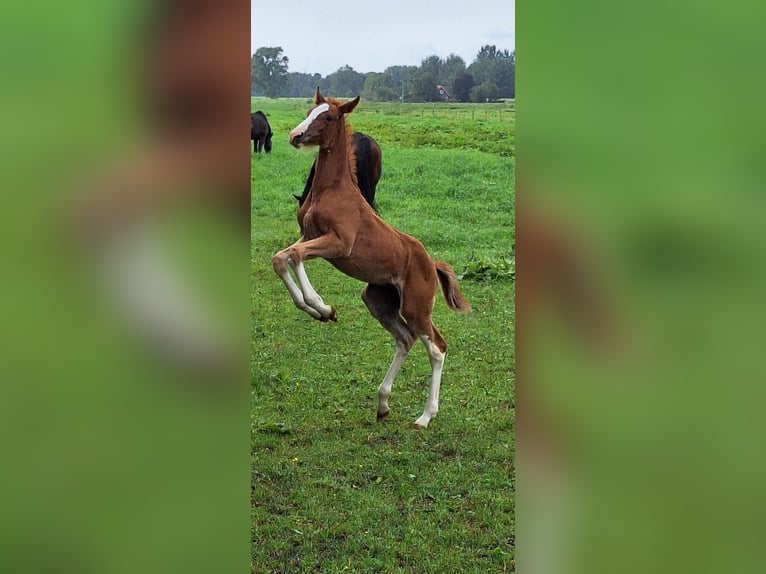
[{"x": 304, "y": 125}]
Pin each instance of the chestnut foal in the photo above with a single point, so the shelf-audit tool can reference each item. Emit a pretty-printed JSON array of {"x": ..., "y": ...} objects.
[{"x": 338, "y": 225}]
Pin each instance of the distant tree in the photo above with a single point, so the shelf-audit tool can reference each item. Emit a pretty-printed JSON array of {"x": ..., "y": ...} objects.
[
  {"x": 452, "y": 67},
  {"x": 486, "y": 92},
  {"x": 423, "y": 87},
  {"x": 484, "y": 67},
  {"x": 378, "y": 87},
  {"x": 301, "y": 85},
  {"x": 345, "y": 83},
  {"x": 400, "y": 80},
  {"x": 324, "y": 85},
  {"x": 495, "y": 66},
  {"x": 491, "y": 52},
  {"x": 461, "y": 87},
  {"x": 434, "y": 65},
  {"x": 268, "y": 71},
  {"x": 491, "y": 75},
  {"x": 505, "y": 75}
]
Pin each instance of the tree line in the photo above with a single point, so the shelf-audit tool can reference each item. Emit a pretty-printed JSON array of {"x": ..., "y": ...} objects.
[{"x": 492, "y": 75}]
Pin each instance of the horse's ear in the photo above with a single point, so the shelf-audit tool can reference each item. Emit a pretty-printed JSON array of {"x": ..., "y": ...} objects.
[
  {"x": 348, "y": 107},
  {"x": 318, "y": 98}
]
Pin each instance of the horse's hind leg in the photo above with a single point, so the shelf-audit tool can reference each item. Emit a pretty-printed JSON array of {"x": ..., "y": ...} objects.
[
  {"x": 437, "y": 349},
  {"x": 383, "y": 303},
  {"x": 416, "y": 310}
]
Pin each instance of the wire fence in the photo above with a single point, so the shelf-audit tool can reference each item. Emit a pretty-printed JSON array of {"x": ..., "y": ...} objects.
[
  {"x": 490, "y": 112},
  {"x": 486, "y": 112}
]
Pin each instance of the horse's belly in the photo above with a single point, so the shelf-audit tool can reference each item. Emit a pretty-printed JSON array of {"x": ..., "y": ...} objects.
[{"x": 349, "y": 267}]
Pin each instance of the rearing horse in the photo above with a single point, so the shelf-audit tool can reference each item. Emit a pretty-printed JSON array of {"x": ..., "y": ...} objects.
[{"x": 338, "y": 225}]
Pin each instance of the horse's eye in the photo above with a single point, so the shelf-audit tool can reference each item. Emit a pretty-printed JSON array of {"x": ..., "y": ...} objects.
[{"x": 328, "y": 118}]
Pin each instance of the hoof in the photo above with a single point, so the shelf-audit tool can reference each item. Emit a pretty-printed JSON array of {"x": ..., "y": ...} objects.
[
  {"x": 421, "y": 423},
  {"x": 384, "y": 416},
  {"x": 331, "y": 317}
]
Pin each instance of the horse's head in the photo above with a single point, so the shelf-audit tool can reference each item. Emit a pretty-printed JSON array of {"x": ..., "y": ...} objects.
[{"x": 323, "y": 123}]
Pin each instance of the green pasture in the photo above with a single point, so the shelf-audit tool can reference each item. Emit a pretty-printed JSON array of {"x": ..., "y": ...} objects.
[{"x": 332, "y": 489}]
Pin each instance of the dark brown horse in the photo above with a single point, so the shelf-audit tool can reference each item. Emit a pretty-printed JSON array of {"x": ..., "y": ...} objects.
[
  {"x": 338, "y": 225},
  {"x": 260, "y": 132}
]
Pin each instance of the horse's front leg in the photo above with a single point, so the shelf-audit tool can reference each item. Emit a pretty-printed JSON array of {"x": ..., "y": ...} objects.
[
  {"x": 280, "y": 262},
  {"x": 310, "y": 296},
  {"x": 303, "y": 294}
]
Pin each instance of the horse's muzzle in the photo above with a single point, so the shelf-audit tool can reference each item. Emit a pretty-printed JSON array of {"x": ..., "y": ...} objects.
[{"x": 295, "y": 139}]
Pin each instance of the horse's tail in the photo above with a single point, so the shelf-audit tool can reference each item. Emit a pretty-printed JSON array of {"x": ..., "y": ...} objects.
[{"x": 452, "y": 295}]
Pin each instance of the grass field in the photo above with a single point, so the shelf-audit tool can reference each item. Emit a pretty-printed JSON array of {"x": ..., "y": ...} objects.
[{"x": 332, "y": 490}]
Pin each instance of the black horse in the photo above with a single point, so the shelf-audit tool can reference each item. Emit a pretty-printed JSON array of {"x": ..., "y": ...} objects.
[
  {"x": 369, "y": 163},
  {"x": 260, "y": 132}
]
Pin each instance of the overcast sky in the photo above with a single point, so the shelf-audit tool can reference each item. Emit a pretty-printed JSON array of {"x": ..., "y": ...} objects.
[{"x": 320, "y": 36}]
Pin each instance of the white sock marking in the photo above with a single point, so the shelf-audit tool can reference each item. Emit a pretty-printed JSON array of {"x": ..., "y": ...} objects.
[
  {"x": 384, "y": 390},
  {"x": 437, "y": 363},
  {"x": 310, "y": 296},
  {"x": 297, "y": 295}
]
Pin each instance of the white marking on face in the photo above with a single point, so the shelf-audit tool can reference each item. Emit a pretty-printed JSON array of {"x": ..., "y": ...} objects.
[{"x": 304, "y": 125}]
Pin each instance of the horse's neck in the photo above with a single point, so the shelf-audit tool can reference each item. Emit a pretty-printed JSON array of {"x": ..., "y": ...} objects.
[{"x": 333, "y": 164}]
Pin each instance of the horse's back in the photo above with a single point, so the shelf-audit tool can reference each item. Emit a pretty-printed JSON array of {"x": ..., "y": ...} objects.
[
  {"x": 259, "y": 123},
  {"x": 260, "y": 130}
]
